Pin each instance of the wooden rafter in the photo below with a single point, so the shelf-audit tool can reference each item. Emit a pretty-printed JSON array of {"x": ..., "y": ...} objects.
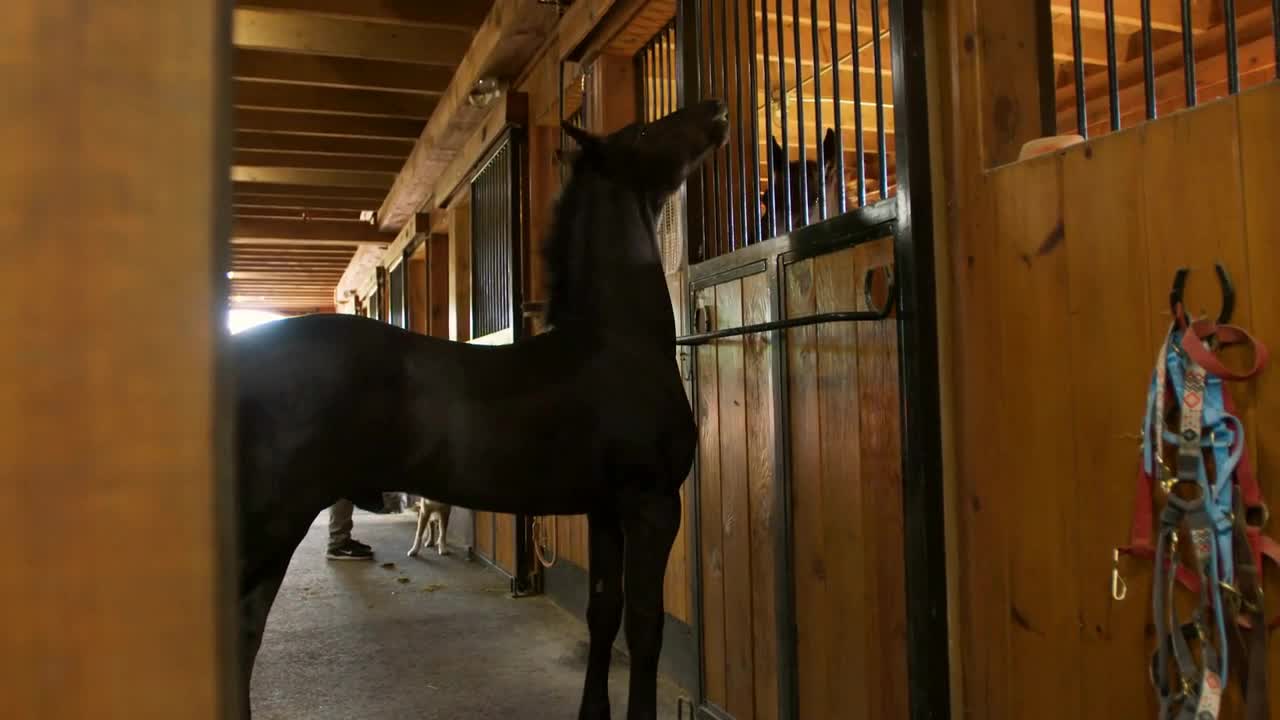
[
  {"x": 338, "y": 72},
  {"x": 341, "y": 37}
]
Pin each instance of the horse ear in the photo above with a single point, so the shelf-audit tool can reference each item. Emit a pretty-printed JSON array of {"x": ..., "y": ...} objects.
[
  {"x": 566, "y": 157},
  {"x": 779, "y": 155},
  {"x": 829, "y": 144},
  {"x": 584, "y": 139}
]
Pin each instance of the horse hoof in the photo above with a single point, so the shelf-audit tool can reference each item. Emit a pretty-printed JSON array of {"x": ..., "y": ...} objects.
[
  {"x": 412, "y": 553},
  {"x": 443, "y": 552}
]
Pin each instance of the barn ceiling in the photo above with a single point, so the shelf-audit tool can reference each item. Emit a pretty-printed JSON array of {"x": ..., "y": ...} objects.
[{"x": 329, "y": 97}]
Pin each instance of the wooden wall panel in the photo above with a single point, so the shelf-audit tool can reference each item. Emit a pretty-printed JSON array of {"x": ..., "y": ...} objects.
[
  {"x": 484, "y": 534},
  {"x": 505, "y": 551},
  {"x": 1074, "y": 263},
  {"x": 1259, "y": 119},
  {"x": 713, "y": 593},
  {"x": 418, "y": 289},
  {"x": 438, "y": 259},
  {"x": 115, "y": 398}
]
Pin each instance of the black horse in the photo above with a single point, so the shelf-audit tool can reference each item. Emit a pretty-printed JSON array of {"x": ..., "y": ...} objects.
[{"x": 589, "y": 417}]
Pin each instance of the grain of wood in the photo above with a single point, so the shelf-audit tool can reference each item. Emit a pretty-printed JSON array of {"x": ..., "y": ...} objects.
[
  {"x": 1110, "y": 314},
  {"x": 1259, "y": 115},
  {"x": 1043, "y": 596},
  {"x": 762, "y": 488},
  {"x": 712, "y": 538},
  {"x": 735, "y": 509},
  {"x": 809, "y": 560}
]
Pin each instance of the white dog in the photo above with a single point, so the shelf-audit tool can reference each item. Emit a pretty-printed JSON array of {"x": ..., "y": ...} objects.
[{"x": 432, "y": 515}]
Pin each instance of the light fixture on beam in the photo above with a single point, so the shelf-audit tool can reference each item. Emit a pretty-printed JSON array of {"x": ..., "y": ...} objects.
[
  {"x": 486, "y": 90},
  {"x": 369, "y": 216}
]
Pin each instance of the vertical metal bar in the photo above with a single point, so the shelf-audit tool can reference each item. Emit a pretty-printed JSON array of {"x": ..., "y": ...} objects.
[
  {"x": 881, "y": 145},
  {"x": 818, "y": 153},
  {"x": 753, "y": 104},
  {"x": 1113, "y": 78},
  {"x": 859, "y": 140},
  {"x": 1046, "y": 68},
  {"x": 1233, "y": 46},
  {"x": 739, "y": 194},
  {"x": 839, "y": 110},
  {"x": 1188, "y": 53},
  {"x": 1275, "y": 33},
  {"x": 731, "y": 238},
  {"x": 924, "y": 539},
  {"x": 718, "y": 90},
  {"x": 661, "y": 91},
  {"x": 1077, "y": 62},
  {"x": 771, "y": 206},
  {"x": 803, "y": 190},
  {"x": 784, "y": 207},
  {"x": 646, "y": 94},
  {"x": 670, "y": 77},
  {"x": 1148, "y": 64}
]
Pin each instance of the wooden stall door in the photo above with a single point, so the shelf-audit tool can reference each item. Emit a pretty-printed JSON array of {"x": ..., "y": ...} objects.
[
  {"x": 113, "y": 427},
  {"x": 1077, "y": 266}
]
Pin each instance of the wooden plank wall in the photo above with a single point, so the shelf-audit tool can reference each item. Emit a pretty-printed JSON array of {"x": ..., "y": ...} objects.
[
  {"x": 1062, "y": 292},
  {"x": 845, "y": 493},
  {"x": 114, "y": 430},
  {"x": 418, "y": 281}
]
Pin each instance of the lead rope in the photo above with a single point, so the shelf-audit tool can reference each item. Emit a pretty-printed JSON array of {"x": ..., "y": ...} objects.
[{"x": 1228, "y": 550}]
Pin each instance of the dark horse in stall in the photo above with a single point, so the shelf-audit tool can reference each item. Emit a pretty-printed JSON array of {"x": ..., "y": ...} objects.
[
  {"x": 825, "y": 175},
  {"x": 590, "y": 417}
]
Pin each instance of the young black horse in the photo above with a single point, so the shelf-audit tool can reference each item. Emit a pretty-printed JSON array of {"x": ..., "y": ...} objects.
[{"x": 590, "y": 417}]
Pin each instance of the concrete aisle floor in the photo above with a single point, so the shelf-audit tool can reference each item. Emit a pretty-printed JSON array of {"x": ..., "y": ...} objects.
[{"x": 431, "y": 638}]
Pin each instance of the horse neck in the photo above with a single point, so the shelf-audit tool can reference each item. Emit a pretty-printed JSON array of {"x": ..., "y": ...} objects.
[{"x": 613, "y": 283}]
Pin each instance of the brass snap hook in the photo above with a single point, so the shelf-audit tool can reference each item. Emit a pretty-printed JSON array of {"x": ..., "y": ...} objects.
[{"x": 1119, "y": 589}]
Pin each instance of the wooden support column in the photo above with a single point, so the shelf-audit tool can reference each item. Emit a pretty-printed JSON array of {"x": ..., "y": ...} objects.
[
  {"x": 611, "y": 93},
  {"x": 460, "y": 269},
  {"x": 113, "y": 423}
]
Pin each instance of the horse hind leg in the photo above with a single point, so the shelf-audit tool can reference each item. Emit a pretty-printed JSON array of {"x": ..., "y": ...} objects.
[
  {"x": 650, "y": 522},
  {"x": 604, "y": 610},
  {"x": 255, "y": 606},
  {"x": 443, "y": 518}
]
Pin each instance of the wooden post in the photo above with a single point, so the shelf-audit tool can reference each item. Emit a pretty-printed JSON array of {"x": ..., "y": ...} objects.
[
  {"x": 114, "y": 423},
  {"x": 460, "y": 269}
]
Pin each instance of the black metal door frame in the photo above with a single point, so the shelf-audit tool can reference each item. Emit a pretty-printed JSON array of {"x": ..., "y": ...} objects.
[
  {"x": 527, "y": 579},
  {"x": 908, "y": 218}
]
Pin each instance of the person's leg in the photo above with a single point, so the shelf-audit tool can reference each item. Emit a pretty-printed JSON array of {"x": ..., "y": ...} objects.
[{"x": 341, "y": 544}]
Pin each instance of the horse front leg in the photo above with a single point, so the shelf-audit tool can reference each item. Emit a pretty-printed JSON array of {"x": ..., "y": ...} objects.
[
  {"x": 424, "y": 524},
  {"x": 604, "y": 610},
  {"x": 650, "y": 523}
]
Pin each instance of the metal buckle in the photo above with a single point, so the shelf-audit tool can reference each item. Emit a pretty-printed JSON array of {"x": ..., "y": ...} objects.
[{"x": 1119, "y": 588}]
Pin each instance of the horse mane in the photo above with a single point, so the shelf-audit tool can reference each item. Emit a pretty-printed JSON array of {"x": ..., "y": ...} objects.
[{"x": 557, "y": 250}]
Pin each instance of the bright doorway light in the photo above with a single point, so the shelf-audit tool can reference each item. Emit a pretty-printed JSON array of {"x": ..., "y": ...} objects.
[{"x": 239, "y": 320}]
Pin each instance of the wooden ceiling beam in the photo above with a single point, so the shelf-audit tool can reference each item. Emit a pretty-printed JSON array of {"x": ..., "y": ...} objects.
[
  {"x": 277, "y": 202},
  {"x": 245, "y": 211},
  {"x": 335, "y": 72},
  {"x": 432, "y": 13},
  {"x": 303, "y": 123},
  {"x": 253, "y": 95},
  {"x": 340, "y": 37},
  {"x": 347, "y": 163},
  {"x": 305, "y": 176},
  {"x": 312, "y": 231},
  {"x": 281, "y": 142},
  {"x": 511, "y": 35},
  {"x": 305, "y": 191}
]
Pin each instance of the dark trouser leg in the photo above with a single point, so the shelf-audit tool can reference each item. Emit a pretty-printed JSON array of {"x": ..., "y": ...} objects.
[
  {"x": 604, "y": 611},
  {"x": 340, "y": 523},
  {"x": 650, "y": 523}
]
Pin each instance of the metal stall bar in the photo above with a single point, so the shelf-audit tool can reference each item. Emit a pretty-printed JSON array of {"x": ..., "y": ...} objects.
[
  {"x": 1077, "y": 62},
  {"x": 1148, "y": 63},
  {"x": 744, "y": 236},
  {"x": 783, "y": 210},
  {"x": 771, "y": 211},
  {"x": 799, "y": 91},
  {"x": 835, "y": 94},
  {"x": 719, "y": 222},
  {"x": 1275, "y": 33},
  {"x": 730, "y": 239},
  {"x": 753, "y": 83},
  {"x": 881, "y": 145},
  {"x": 1233, "y": 49},
  {"x": 1188, "y": 53},
  {"x": 1113, "y": 78},
  {"x": 817, "y": 106},
  {"x": 859, "y": 143},
  {"x": 924, "y": 538}
]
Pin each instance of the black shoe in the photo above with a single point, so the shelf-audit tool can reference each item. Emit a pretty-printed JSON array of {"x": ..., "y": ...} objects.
[
  {"x": 361, "y": 545},
  {"x": 350, "y": 550}
]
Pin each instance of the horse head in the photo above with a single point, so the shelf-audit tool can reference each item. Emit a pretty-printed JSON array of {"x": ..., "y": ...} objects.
[
  {"x": 814, "y": 174},
  {"x": 602, "y": 256}
]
